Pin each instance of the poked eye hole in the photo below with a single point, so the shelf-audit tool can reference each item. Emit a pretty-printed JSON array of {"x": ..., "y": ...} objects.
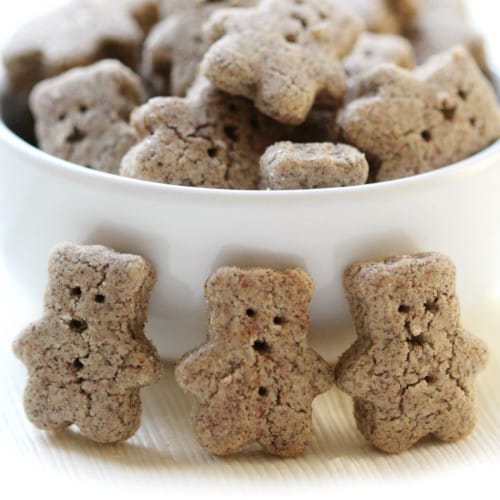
[
  {"x": 279, "y": 320},
  {"x": 432, "y": 305},
  {"x": 250, "y": 312}
]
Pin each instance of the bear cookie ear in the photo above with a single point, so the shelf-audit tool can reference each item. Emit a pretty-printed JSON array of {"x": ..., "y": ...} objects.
[
  {"x": 303, "y": 283},
  {"x": 138, "y": 270},
  {"x": 64, "y": 251},
  {"x": 219, "y": 280}
]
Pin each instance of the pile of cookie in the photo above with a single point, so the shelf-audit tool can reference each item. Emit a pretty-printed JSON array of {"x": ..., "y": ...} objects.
[
  {"x": 410, "y": 372},
  {"x": 248, "y": 94}
]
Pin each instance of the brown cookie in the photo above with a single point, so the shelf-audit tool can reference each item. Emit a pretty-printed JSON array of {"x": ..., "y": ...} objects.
[
  {"x": 87, "y": 358},
  {"x": 82, "y": 115},
  {"x": 413, "y": 122},
  {"x": 145, "y": 12},
  {"x": 174, "y": 49},
  {"x": 411, "y": 370},
  {"x": 208, "y": 139},
  {"x": 406, "y": 11},
  {"x": 384, "y": 16},
  {"x": 286, "y": 165},
  {"x": 76, "y": 34},
  {"x": 442, "y": 25},
  {"x": 372, "y": 50},
  {"x": 282, "y": 54},
  {"x": 255, "y": 377}
]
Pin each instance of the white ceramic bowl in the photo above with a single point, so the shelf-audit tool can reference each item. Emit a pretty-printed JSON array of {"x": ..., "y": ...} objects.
[{"x": 187, "y": 232}]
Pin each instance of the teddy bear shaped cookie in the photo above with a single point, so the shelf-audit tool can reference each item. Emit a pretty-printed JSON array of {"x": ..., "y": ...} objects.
[
  {"x": 88, "y": 357},
  {"x": 410, "y": 122},
  {"x": 282, "y": 54},
  {"x": 411, "y": 370},
  {"x": 287, "y": 165},
  {"x": 78, "y": 33},
  {"x": 207, "y": 139},
  {"x": 83, "y": 114},
  {"x": 255, "y": 377}
]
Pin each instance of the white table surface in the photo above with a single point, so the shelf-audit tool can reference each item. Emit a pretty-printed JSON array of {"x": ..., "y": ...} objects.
[{"x": 163, "y": 459}]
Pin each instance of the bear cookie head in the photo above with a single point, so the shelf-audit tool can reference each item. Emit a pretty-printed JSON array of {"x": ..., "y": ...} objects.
[
  {"x": 88, "y": 291},
  {"x": 259, "y": 305}
]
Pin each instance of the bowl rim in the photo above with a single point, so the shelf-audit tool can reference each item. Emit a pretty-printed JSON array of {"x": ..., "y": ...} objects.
[{"x": 58, "y": 166}]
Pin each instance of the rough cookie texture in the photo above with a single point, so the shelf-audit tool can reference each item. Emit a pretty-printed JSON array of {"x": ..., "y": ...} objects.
[
  {"x": 412, "y": 122},
  {"x": 255, "y": 377},
  {"x": 76, "y": 34},
  {"x": 411, "y": 370},
  {"x": 87, "y": 358},
  {"x": 286, "y": 165},
  {"x": 282, "y": 54},
  {"x": 174, "y": 49},
  {"x": 384, "y": 16},
  {"x": 82, "y": 115},
  {"x": 442, "y": 25},
  {"x": 372, "y": 50},
  {"x": 207, "y": 139}
]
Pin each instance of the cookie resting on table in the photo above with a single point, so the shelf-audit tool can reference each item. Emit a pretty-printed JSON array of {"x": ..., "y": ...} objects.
[
  {"x": 283, "y": 55},
  {"x": 87, "y": 357},
  {"x": 78, "y": 33},
  {"x": 83, "y": 115},
  {"x": 207, "y": 139},
  {"x": 409, "y": 122},
  {"x": 411, "y": 370},
  {"x": 286, "y": 165},
  {"x": 255, "y": 377}
]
